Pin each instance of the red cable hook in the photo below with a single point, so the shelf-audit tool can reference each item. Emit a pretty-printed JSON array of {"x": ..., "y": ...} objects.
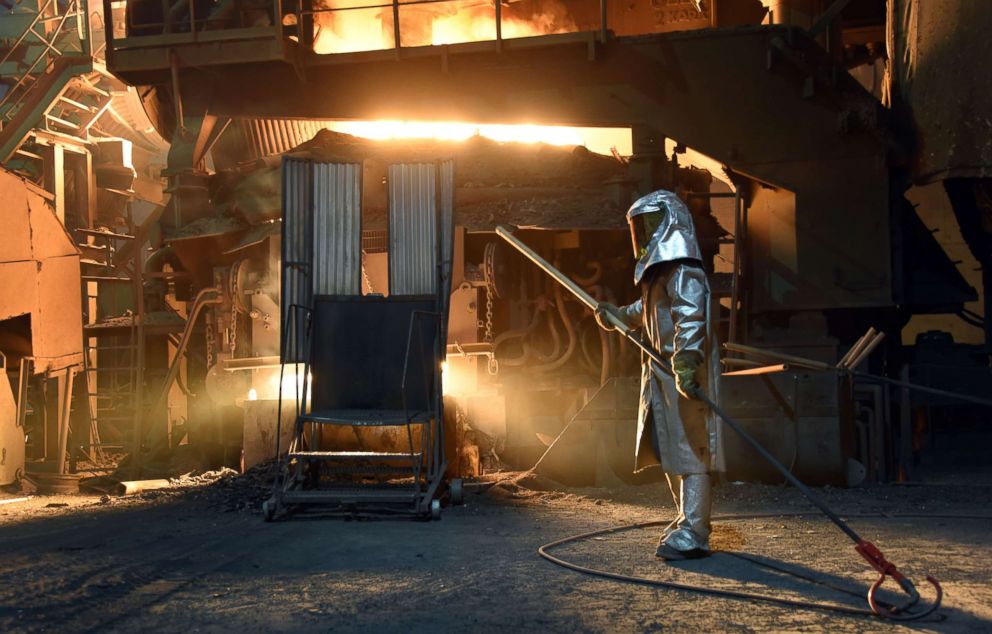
[{"x": 885, "y": 568}]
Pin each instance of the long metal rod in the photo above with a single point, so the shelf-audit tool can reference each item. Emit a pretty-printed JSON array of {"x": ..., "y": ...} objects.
[
  {"x": 396, "y": 25},
  {"x": 507, "y": 234},
  {"x": 660, "y": 367},
  {"x": 826, "y": 367},
  {"x": 735, "y": 280},
  {"x": 602, "y": 21},
  {"x": 499, "y": 21}
]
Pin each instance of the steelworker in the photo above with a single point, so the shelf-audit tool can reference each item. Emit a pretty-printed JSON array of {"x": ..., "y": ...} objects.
[{"x": 674, "y": 315}]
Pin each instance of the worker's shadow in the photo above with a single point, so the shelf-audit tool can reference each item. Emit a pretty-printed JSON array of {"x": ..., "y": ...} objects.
[{"x": 767, "y": 576}]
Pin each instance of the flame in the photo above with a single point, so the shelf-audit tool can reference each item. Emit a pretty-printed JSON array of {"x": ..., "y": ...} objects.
[{"x": 347, "y": 29}]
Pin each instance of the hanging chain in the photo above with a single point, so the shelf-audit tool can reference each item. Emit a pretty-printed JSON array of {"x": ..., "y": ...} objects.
[
  {"x": 234, "y": 330},
  {"x": 489, "y": 316},
  {"x": 209, "y": 335},
  {"x": 365, "y": 274},
  {"x": 489, "y": 275}
]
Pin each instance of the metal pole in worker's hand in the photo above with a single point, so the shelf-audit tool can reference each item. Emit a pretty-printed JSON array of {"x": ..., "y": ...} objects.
[
  {"x": 659, "y": 364},
  {"x": 507, "y": 234}
]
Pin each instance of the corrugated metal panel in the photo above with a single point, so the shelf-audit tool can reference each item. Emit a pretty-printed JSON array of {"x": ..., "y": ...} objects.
[
  {"x": 268, "y": 137},
  {"x": 412, "y": 229},
  {"x": 297, "y": 254},
  {"x": 337, "y": 196}
]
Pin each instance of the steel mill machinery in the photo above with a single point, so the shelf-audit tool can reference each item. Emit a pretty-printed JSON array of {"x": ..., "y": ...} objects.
[{"x": 809, "y": 238}]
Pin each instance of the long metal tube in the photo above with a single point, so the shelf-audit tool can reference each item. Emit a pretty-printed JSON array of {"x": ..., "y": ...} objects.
[
  {"x": 580, "y": 293},
  {"x": 499, "y": 23},
  {"x": 826, "y": 367},
  {"x": 867, "y": 350},
  {"x": 660, "y": 367},
  {"x": 857, "y": 348}
]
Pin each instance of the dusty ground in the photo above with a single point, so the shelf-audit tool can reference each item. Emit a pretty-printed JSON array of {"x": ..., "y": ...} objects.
[{"x": 196, "y": 560}]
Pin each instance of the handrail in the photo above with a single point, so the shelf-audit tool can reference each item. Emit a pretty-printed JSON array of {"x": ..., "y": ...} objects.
[
  {"x": 193, "y": 25},
  {"x": 28, "y": 30},
  {"x": 15, "y": 96}
]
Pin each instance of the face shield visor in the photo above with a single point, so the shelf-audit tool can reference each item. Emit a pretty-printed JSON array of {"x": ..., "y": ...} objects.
[{"x": 642, "y": 228}]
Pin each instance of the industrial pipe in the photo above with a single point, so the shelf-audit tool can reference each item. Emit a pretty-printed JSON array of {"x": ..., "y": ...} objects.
[{"x": 201, "y": 302}]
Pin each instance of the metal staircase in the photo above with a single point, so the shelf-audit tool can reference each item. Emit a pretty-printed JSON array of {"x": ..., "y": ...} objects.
[
  {"x": 54, "y": 89},
  {"x": 110, "y": 347}
]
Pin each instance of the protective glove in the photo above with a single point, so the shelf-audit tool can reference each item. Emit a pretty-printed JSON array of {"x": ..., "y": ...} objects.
[
  {"x": 684, "y": 366},
  {"x": 602, "y": 310}
]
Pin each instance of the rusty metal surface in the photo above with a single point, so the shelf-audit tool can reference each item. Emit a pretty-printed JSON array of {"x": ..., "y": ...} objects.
[
  {"x": 39, "y": 266},
  {"x": 934, "y": 48},
  {"x": 337, "y": 225},
  {"x": 297, "y": 254},
  {"x": 413, "y": 229}
]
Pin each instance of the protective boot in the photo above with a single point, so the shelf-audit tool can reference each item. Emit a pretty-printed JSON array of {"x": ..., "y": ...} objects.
[{"x": 690, "y": 539}]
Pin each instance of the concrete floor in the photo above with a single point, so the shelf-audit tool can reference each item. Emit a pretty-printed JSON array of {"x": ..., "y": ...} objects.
[{"x": 177, "y": 562}]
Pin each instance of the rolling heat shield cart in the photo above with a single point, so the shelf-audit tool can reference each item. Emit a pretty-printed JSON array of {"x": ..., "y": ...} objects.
[{"x": 364, "y": 369}]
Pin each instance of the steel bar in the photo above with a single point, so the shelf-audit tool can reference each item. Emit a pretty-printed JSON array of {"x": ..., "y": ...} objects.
[
  {"x": 735, "y": 292},
  {"x": 65, "y": 408},
  {"x": 856, "y": 348},
  {"x": 396, "y": 26},
  {"x": 499, "y": 22},
  {"x": 602, "y": 20},
  {"x": 867, "y": 351},
  {"x": 739, "y": 363},
  {"x": 765, "y": 369},
  {"x": 780, "y": 356},
  {"x": 584, "y": 297},
  {"x": 818, "y": 365},
  {"x": 660, "y": 367}
]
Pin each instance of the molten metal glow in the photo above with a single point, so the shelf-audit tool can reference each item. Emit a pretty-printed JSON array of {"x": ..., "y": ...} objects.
[
  {"x": 346, "y": 29},
  {"x": 454, "y": 131}
]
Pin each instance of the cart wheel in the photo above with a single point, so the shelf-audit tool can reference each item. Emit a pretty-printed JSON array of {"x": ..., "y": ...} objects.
[
  {"x": 457, "y": 491},
  {"x": 268, "y": 510},
  {"x": 435, "y": 509}
]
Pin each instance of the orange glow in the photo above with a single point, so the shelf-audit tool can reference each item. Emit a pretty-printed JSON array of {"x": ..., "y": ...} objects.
[
  {"x": 351, "y": 30},
  {"x": 600, "y": 140},
  {"x": 454, "y": 131},
  {"x": 458, "y": 376}
]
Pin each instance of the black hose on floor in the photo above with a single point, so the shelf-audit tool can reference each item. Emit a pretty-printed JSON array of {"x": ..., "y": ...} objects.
[{"x": 731, "y": 594}]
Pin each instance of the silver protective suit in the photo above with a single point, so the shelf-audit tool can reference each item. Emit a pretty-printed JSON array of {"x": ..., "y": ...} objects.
[{"x": 674, "y": 313}]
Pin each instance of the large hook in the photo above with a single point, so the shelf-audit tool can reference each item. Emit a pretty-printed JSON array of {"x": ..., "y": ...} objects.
[{"x": 903, "y": 611}]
